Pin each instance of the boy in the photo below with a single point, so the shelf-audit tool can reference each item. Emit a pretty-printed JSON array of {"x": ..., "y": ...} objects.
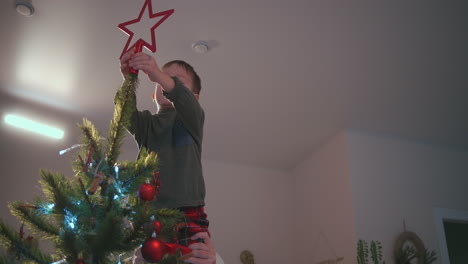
[{"x": 175, "y": 132}]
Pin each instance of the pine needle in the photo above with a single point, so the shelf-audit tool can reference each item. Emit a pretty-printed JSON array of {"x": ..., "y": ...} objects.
[
  {"x": 125, "y": 103},
  {"x": 38, "y": 223},
  {"x": 57, "y": 189},
  {"x": 11, "y": 239},
  {"x": 91, "y": 137}
]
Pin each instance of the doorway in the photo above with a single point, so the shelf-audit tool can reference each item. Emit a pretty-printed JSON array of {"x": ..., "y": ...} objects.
[
  {"x": 456, "y": 236},
  {"x": 452, "y": 234}
]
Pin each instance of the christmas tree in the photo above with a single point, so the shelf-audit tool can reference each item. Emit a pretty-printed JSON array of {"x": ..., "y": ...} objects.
[{"x": 102, "y": 214}]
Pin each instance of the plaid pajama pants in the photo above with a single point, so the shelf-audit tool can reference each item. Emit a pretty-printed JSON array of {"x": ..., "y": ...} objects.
[{"x": 195, "y": 221}]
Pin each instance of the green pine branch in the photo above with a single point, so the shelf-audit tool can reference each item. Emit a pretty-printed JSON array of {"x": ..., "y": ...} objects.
[
  {"x": 58, "y": 190},
  {"x": 37, "y": 222},
  {"x": 168, "y": 218},
  {"x": 69, "y": 245},
  {"x": 124, "y": 107},
  {"x": 135, "y": 236},
  {"x": 171, "y": 259},
  {"x": 108, "y": 235},
  {"x": 92, "y": 138},
  {"x": 11, "y": 239},
  {"x": 133, "y": 173},
  {"x": 77, "y": 167},
  {"x": 6, "y": 260}
]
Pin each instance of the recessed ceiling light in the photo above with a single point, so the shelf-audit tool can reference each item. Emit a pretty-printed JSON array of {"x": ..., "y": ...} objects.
[
  {"x": 33, "y": 126},
  {"x": 200, "y": 47},
  {"x": 24, "y": 7}
]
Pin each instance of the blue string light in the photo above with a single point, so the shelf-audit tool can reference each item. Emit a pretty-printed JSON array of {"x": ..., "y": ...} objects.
[
  {"x": 116, "y": 169},
  {"x": 59, "y": 262},
  {"x": 70, "y": 219},
  {"x": 46, "y": 208},
  {"x": 117, "y": 184},
  {"x": 70, "y": 148}
]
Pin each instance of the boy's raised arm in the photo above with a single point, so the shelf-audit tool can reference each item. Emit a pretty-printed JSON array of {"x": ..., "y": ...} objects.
[
  {"x": 188, "y": 107},
  {"x": 148, "y": 65}
]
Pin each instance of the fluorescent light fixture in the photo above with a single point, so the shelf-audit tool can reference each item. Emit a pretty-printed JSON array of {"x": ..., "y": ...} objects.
[{"x": 33, "y": 126}]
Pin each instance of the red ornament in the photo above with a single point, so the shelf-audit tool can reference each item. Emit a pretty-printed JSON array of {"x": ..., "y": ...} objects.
[
  {"x": 172, "y": 249},
  {"x": 153, "y": 250},
  {"x": 157, "y": 227},
  {"x": 80, "y": 261},
  {"x": 146, "y": 192},
  {"x": 138, "y": 42}
]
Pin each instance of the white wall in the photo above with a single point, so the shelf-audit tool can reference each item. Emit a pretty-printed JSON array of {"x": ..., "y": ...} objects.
[
  {"x": 249, "y": 208},
  {"x": 395, "y": 180},
  {"x": 324, "y": 217}
]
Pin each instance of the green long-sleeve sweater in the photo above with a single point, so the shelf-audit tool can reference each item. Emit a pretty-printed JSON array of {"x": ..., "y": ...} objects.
[{"x": 176, "y": 136}]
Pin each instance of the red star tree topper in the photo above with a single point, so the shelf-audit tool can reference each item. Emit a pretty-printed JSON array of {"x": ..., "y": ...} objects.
[{"x": 147, "y": 10}]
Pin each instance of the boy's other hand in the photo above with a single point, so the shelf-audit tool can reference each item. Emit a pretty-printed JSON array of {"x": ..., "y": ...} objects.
[
  {"x": 124, "y": 64},
  {"x": 203, "y": 253},
  {"x": 146, "y": 63}
]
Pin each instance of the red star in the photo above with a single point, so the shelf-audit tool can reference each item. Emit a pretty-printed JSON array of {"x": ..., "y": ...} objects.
[{"x": 141, "y": 42}]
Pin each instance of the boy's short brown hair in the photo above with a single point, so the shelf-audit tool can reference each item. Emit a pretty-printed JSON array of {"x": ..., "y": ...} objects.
[{"x": 190, "y": 71}]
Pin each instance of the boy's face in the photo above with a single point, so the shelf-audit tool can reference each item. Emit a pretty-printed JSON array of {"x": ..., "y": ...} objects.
[{"x": 184, "y": 77}]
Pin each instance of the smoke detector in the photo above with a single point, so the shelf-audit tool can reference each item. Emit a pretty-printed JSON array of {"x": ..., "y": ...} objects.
[
  {"x": 200, "y": 47},
  {"x": 24, "y": 7}
]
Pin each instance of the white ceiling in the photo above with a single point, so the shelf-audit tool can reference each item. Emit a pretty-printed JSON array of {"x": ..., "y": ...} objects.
[{"x": 280, "y": 79}]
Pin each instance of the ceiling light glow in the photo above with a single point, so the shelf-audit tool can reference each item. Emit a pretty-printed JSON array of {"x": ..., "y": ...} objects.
[{"x": 33, "y": 126}]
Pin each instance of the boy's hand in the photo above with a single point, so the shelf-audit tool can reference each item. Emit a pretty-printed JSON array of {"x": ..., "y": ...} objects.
[
  {"x": 203, "y": 253},
  {"x": 124, "y": 67},
  {"x": 146, "y": 63}
]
